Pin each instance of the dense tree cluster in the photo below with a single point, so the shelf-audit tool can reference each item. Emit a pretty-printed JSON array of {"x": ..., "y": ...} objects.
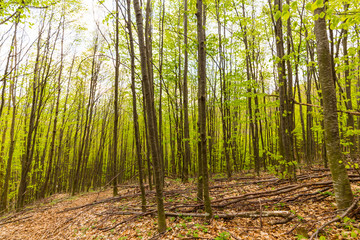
[{"x": 183, "y": 89}]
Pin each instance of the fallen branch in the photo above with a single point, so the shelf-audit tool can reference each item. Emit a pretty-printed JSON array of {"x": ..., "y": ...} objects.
[
  {"x": 112, "y": 199},
  {"x": 136, "y": 214},
  {"x": 250, "y": 214},
  {"x": 271, "y": 180},
  {"x": 337, "y": 218},
  {"x": 117, "y": 198},
  {"x": 303, "y": 194},
  {"x": 15, "y": 220},
  {"x": 275, "y": 192},
  {"x": 285, "y": 189},
  {"x": 241, "y": 178}
]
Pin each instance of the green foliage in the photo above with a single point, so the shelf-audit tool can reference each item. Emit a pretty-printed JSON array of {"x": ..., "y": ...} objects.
[
  {"x": 83, "y": 112},
  {"x": 202, "y": 227},
  {"x": 223, "y": 236},
  {"x": 188, "y": 218},
  {"x": 300, "y": 237}
]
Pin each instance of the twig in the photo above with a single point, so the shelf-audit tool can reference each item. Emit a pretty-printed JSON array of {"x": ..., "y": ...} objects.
[
  {"x": 290, "y": 231},
  {"x": 157, "y": 236},
  {"x": 260, "y": 214},
  {"x": 127, "y": 219},
  {"x": 337, "y": 218}
]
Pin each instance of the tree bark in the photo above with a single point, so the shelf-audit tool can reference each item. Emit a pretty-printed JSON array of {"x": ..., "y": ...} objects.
[
  {"x": 350, "y": 119},
  {"x": 342, "y": 189},
  {"x": 150, "y": 112},
  {"x": 116, "y": 99},
  {"x": 135, "y": 114},
  {"x": 203, "y": 173},
  {"x": 186, "y": 97}
]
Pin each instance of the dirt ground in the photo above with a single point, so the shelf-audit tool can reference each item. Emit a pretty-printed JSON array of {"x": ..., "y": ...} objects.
[{"x": 309, "y": 203}]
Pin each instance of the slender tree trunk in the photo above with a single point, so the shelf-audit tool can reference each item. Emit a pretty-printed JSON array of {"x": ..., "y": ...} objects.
[
  {"x": 54, "y": 132},
  {"x": 116, "y": 100},
  {"x": 150, "y": 112},
  {"x": 224, "y": 96},
  {"x": 32, "y": 129},
  {"x": 135, "y": 114},
  {"x": 5, "y": 187},
  {"x": 289, "y": 103},
  {"x": 284, "y": 134},
  {"x": 252, "y": 119},
  {"x": 161, "y": 58},
  {"x": 350, "y": 118},
  {"x": 186, "y": 97},
  {"x": 84, "y": 143},
  {"x": 202, "y": 106}
]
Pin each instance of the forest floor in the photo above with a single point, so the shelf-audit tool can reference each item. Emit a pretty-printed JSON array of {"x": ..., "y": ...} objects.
[{"x": 244, "y": 208}]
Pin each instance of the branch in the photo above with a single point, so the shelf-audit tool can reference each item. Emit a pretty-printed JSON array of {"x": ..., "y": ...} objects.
[
  {"x": 249, "y": 214},
  {"x": 11, "y": 16},
  {"x": 16, "y": 220},
  {"x": 317, "y": 106},
  {"x": 337, "y": 218}
]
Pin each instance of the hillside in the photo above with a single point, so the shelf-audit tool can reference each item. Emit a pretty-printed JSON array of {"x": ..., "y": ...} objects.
[{"x": 303, "y": 206}]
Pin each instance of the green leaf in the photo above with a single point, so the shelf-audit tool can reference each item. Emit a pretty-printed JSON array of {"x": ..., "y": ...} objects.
[
  {"x": 286, "y": 16},
  {"x": 308, "y": 6},
  {"x": 294, "y": 5},
  {"x": 286, "y": 8},
  {"x": 336, "y": 21},
  {"x": 317, "y": 4},
  {"x": 277, "y": 15}
]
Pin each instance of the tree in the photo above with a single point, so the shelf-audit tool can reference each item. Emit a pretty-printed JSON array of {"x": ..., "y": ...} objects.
[
  {"x": 203, "y": 165},
  {"x": 116, "y": 99},
  {"x": 285, "y": 132},
  {"x": 151, "y": 116},
  {"x": 343, "y": 193},
  {"x": 135, "y": 113},
  {"x": 186, "y": 97}
]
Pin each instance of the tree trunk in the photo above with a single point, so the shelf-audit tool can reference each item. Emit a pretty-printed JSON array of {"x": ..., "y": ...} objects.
[
  {"x": 186, "y": 98},
  {"x": 116, "y": 100},
  {"x": 202, "y": 106},
  {"x": 350, "y": 118},
  {"x": 342, "y": 189},
  {"x": 284, "y": 134},
  {"x": 150, "y": 112},
  {"x": 135, "y": 114}
]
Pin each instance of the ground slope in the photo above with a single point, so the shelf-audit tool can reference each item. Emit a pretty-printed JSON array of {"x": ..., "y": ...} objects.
[{"x": 244, "y": 208}]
